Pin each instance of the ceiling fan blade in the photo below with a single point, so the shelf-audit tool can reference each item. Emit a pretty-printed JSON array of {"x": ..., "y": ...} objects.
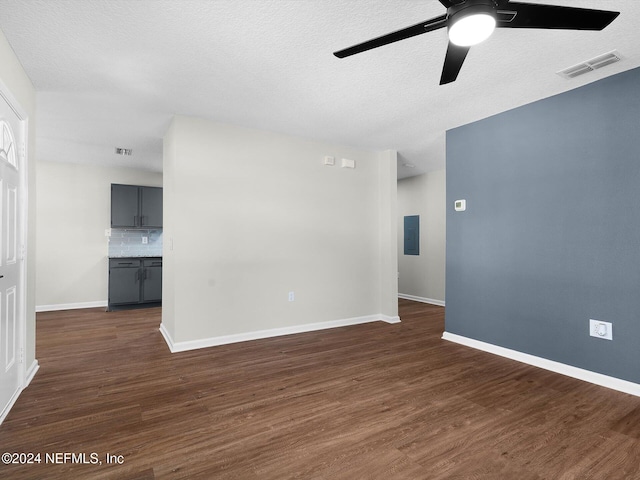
[
  {"x": 453, "y": 63},
  {"x": 418, "y": 29},
  {"x": 533, "y": 15},
  {"x": 449, "y": 3}
]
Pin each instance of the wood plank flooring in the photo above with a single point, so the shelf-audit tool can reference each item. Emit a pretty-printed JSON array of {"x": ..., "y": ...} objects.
[{"x": 374, "y": 401}]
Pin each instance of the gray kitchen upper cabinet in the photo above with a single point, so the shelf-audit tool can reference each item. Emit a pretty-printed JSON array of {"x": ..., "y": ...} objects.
[
  {"x": 151, "y": 206},
  {"x": 124, "y": 205},
  {"x": 136, "y": 206}
]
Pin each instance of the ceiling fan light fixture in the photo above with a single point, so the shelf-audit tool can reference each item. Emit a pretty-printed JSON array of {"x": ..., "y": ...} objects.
[
  {"x": 472, "y": 30},
  {"x": 472, "y": 24}
]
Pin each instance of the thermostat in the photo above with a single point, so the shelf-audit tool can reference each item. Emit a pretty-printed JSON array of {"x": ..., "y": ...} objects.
[{"x": 460, "y": 205}]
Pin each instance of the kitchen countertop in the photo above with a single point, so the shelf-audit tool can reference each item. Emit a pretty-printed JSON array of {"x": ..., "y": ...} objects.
[{"x": 134, "y": 256}]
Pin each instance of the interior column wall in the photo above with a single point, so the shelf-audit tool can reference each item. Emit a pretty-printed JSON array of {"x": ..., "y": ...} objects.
[{"x": 254, "y": 217}]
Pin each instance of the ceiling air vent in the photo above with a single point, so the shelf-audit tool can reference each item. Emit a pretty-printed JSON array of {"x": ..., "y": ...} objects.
[
  {"x": 124, "y": 151},
  {"x": 590, "y": 65}
]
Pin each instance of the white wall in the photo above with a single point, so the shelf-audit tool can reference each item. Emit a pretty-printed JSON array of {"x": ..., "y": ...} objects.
[
  {"x": 253, "y": 215},
  {"x": 422, "y": 277},
  {"x": 19, "y": 86},
  {"x": 388, "y": 214},
  {"x": 73, "y": 211}
]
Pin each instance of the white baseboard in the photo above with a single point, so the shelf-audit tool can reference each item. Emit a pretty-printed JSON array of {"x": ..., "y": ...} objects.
[
  {"x": 274, "y": 332},
  {"x": 388, "y": 319},
  {"x": 167, "y": 338},
  {"x": 71, "y": 306},
  {"x": 432, "y": 301},
  {"x": 30, "y": 373},
  {"x": 557, "y": 367},
  {"x": 7, "y": 408}
]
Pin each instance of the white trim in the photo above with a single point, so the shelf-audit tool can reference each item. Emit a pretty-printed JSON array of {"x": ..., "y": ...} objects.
[
  {"x": 22, "y": 162},
  {"x": 388, "y": 319},
  {"x": 432, "y": 301},
  {"x": 273, "y": 332},
  {"x": 30, "y": 373},
  {"x": 167, "y": 338},
  {"x": 6, "y": 93},
  {"x": 562, "y": 368},
  {"x": 71, "y": 306},
  {"x": 9, "y": 405}
]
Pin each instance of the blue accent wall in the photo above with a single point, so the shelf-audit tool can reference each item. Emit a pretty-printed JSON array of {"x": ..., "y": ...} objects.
[{"x": 551, "y": 234}]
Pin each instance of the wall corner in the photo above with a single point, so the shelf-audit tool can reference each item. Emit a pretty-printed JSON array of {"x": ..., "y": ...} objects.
[{"x": 388, "y": 213}]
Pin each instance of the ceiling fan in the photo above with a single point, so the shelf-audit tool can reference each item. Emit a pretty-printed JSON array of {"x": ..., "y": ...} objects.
[{"x": 470, "y": 22}]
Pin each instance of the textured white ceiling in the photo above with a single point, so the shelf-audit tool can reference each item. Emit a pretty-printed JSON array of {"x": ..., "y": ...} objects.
[{"x": 113, "y": 72}]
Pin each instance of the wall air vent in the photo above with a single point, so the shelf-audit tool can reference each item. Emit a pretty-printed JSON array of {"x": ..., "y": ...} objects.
[{"x": 591, "y": 65}]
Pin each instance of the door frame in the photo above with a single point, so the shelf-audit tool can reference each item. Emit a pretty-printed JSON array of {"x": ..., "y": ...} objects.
[{"x": 23, "y": 165}]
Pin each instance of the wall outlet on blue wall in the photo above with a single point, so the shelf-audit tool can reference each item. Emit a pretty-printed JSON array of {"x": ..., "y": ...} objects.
[
  {"x": 460, "y": 205},
  {"x": 600, "y": 329}
]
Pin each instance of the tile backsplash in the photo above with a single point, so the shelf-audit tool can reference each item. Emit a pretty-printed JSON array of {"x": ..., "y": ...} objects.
[{"x": 125, "y": 242}]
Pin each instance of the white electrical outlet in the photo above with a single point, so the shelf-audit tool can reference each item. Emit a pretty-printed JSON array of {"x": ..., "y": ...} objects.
[
  {"x": 600, "y": 329},
  {"x": 145, "y": 240},
  {"x": 460, "y": 205},
  {"x": 292, "y": 296},
  {"x": 107, "y": 232}
]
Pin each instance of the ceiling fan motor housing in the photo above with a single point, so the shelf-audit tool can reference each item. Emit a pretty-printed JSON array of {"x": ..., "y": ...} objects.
[
  {"x": 471, "y": 7},
  {"x": 478, "y": 6}
]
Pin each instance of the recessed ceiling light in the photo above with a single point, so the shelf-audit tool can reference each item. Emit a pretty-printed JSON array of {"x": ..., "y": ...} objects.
[{"x": 124, "y": 151}]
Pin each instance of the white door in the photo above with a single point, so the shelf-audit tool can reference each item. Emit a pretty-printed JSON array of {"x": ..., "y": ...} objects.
[{"x": 11, "y": 140}]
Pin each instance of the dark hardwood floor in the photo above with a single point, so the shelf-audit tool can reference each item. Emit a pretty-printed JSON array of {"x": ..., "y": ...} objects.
[{"x": 374, "y": 401}]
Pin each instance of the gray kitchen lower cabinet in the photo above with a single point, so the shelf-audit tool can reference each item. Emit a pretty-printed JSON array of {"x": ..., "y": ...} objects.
[
  {"x": 152, "y": 280},
  {"x": 135, "y": 282},
  {"x": 124, "y": 286}
]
